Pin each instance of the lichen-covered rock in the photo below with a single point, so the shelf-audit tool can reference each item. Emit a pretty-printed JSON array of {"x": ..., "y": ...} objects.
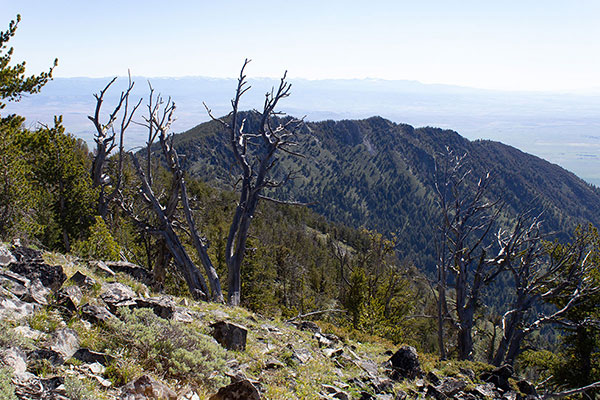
[
  {"x": 37, "y": 292},
  {"x": 13, "y": 309},
  {"x": 242, "y": 390},
  {"x": 28, "y": 386},
  {"x": 95, "y": 313},
  {"x": 144, "y": 388},
  {"x": 230, "y": 336},
  {"x": 51, "y": 276},
  {"x": 6, "y": 256},
  {"x": 83, "y": 281},
  {"x": 69, "y": 297},
  {"x": 90, "y": 357},
  {"x": 65, "y": 342},
  {"x": 135, "y": 271},
  {"x": 15, "y": 358},
  {"x": 117, "y": 295}
]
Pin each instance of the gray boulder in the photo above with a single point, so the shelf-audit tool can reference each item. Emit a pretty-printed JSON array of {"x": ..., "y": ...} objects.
[
  {"x": 64, "y": 341},
  {"x": 117, "y": 295},
  {"x": 230, "y": 336},
  {"x": 146, "y": 387},
  {"x": 6, "y": 257},
  {"x": 237, "y": 391},
  {"x": 51, "y": 276},
  {"x": 405, "y": 363},
  {"x": 95, "y": 313},
  {"x": 163, "y": 306},
  {"x": 83, "y": 281}
]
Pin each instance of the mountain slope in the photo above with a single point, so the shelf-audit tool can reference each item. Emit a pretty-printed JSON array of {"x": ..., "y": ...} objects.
[{"x": 379, "y": 174}]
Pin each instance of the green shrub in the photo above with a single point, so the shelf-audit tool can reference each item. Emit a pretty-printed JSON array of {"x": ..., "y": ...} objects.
[
  {"x": 79, "y": 389},
  {"x": 122, "y": 371},
  {"x": 100, "y": 245},
  {"x": 46, "y": 320},
  {"x": 7, "y": 390},
  {"x": 168, "y": 348}
]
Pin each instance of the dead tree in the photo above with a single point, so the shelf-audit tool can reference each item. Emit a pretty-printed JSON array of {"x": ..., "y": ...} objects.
[
  {"x": 256, "y": 168},
  {"x": 105, "y": 139},
  {"x": 462, "y": 257},
  {"x": 541, "y": 273},
  {"x": 159, "y": 122}
]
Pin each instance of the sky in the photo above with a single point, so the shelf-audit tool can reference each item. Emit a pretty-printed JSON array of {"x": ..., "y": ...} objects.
[{"x": 507, "y": 45}]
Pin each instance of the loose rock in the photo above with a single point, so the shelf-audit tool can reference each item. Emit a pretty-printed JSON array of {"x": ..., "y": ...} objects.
[
  {"x": 133, "y": 270},
  {"x": 96, "y": 314},
  {"x": 237, "y": 391},
  {"x": 64, "y": 341},
  {"x": 69, "y": 297},
  {"x": 406, "y": 362},
  {"x": 6, "y": 257},
  {"x": 101, "y": 267},
  {"x": 146, "y": 387},
  {"x": 117, "y": 295},
  {"x": 230, "y": 336},
  {"x": 51, "y": 276},
  {"x": 82, "y": 280},
  {"x": 89, "y": 356}
]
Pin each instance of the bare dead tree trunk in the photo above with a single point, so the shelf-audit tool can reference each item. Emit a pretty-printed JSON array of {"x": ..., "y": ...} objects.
[
  {"x": 161, "y": 126},
  {"x": 193, "y": 277},
  {"x": 466, "y": 222},
  {"x": 255, "y": 170},
  {"x": 105, "y": 143},
  {"x": 558, "y": 274}
]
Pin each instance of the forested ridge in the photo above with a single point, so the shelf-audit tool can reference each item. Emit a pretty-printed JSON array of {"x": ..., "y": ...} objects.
[{"x": 380, "y": 175}]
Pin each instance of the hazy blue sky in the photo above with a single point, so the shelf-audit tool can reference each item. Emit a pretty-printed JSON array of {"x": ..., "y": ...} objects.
[{"x": 523, "y": 45}]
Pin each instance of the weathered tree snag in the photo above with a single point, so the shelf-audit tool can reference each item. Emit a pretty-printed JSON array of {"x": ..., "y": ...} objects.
[
  {"x": 158, "y": 125},
  {"x": 105, "y": 143},
  {"x": 466, "y": 222},
  {"x": 556, "y": 274},
  {"x": 255, "y": 174},
  {"x": 191, "y": 274}
]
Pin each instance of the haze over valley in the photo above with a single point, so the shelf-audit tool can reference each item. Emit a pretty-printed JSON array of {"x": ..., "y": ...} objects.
[{"x": 563, "y": 128}]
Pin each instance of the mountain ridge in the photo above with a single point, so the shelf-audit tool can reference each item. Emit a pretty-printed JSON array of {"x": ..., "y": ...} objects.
[{"x": 380, "y": 174}]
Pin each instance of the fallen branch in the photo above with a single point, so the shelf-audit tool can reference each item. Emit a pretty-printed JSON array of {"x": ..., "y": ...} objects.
[
  {"x": 314, "y": 313},
  {"x": 571, "y": 391}
]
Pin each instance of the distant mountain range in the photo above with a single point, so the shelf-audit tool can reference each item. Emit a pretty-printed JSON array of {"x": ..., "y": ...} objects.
[
  {"x": 562, "y": 128},
  {"x": 379, "y": 174}
]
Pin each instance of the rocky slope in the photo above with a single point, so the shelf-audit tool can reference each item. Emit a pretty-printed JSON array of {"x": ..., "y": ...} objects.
[{"x": 74, "y": 329}]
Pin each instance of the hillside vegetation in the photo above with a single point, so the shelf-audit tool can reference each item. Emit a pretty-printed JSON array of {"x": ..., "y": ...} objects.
[{"x": 380, "y": 175}]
